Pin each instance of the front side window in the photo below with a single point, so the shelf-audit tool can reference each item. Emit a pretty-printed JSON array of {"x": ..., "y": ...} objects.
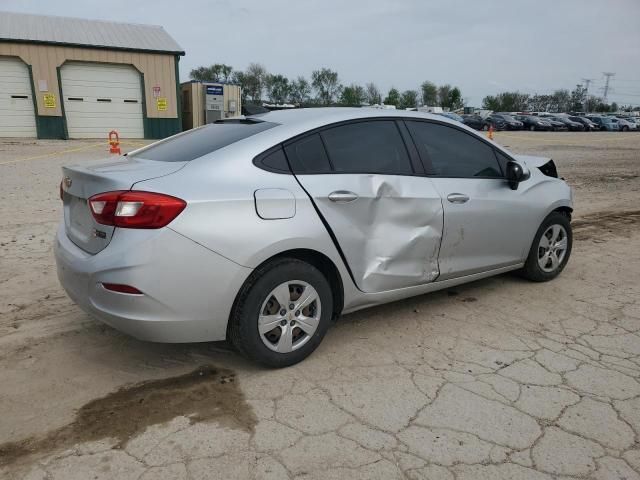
[
  {"x": 367, "y": 147},
  {"x": 452, "y": 152}
]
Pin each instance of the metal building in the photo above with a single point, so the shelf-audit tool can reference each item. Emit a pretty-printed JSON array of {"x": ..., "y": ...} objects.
[
  {"x": 74, "y": 78},
  {"x": 206, "y": 102}
]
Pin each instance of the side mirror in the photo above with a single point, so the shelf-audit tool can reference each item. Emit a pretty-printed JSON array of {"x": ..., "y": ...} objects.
[{"x": 516, "y": 173}]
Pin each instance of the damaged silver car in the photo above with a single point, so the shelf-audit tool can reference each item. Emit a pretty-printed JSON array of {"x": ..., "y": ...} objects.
[{"x": 263, "y": 229}]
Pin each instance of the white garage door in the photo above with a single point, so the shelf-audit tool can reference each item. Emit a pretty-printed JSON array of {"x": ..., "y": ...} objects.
[
  {"x": 17, "y": 117},
  {"x": 100, "y": 98}
]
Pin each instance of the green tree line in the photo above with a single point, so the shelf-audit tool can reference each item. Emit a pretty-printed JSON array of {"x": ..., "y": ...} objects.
[
  {"x": 561, "y": 100},
  {"x": 324, "y": 88}
]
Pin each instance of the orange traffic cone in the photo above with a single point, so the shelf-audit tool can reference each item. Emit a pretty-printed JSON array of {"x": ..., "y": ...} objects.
[
  {"x": 490, "y": 134},
  {"x": 114, "y": 142}
]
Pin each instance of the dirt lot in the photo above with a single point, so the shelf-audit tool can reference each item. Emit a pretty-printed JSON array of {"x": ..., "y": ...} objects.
[{"x": 499, "y": 379}]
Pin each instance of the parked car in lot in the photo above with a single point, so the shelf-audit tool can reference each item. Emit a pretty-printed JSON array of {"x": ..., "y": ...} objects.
[
  {"x": 635, "y": 120},
  {"x": 570, "y": 124},
  {"x": 534, "y": 123},
  {"x": 556, "y": 125},
  {"x": 588, "y": 125},
  {"x": 606, "y": 123},
  {"x": 501, "y": 121},
  {"x": 491, "y": 121},
  {"x": 474, "y": 121},
  {"x": 452, "y": 116},
  {"x": 625, "y": 124},
  {"x": 263, "y": 229}
]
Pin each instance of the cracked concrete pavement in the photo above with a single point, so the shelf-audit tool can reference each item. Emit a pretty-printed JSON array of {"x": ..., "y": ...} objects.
[{"x": 498, "y": 379}]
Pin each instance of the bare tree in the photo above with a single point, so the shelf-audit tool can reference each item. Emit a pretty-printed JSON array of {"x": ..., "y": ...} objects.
[
  {"x": 353, "y": 96},
  {"x": 429, "y": 93},
  {"x": 408, "y": 99},
  {"x": 373, "y": 95},
  {"x": 326, "y": 83},
  {"x": 278, "y": 88},
  {"x": 300, "y": 90},
  {"x": 254, "y": 78},
  {"x": 218, "y": 72}
]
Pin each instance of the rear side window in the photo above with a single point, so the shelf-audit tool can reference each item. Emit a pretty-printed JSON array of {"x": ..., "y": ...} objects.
[
  {"x": 453, "y": 153},
  {"x": 367, "y": 147},
  {"x": 273, "y": 160},
  {"x": 200, "y": 141},
  {"x": 307, "y": 155}
]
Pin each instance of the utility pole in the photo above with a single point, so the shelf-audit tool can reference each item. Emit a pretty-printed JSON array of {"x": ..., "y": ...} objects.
[
  {"x": 608, "y": 76},
  {"x": 587, "y": 82}
]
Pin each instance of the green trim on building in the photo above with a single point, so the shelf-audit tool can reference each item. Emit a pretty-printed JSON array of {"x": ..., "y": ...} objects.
[
  {"x": 161, "y": 127},
  {"x": 64, "y": 114},
  {"x": 155, "y": 128},
  {"x": 98, "y": 47},
  {"x": 50, "y": 127},
  {"x": 47, "y": 127},
  {"x": 178, "y": 94}
]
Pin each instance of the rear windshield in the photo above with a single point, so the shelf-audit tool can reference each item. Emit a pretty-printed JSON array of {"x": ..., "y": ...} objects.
[{"x": 200, "y": 141}]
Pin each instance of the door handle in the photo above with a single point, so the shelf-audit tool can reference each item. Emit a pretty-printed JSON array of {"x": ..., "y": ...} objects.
[
  {"x": 457, "y": 198},
  {"x": 343, "y": 196}
]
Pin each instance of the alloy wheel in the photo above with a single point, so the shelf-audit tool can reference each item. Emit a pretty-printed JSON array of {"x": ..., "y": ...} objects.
[
  {"x": 552, "y": 248},
  {"x": 289, "y": 316}
]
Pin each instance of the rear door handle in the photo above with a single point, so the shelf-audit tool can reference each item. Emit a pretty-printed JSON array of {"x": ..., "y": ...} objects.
[
  {"x": 457, "y": 198},
  {"x": 343, "y": 196}
]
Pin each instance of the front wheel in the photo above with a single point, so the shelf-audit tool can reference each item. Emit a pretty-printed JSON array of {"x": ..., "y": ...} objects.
[
  {"x": 532, "y": 128},
  {"x": 625, "y": 129},
  {"x": 550, "y": 250},
  {"x": 282, "y": 313}
]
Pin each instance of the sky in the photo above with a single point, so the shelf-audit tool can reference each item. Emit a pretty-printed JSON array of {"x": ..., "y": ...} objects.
[{"x": 482, "y": 46}]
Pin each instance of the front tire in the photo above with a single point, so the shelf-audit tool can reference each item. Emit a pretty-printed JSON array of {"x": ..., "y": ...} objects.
[
  {"x": 550, "y": 250},
  {"x": 282, "y": 313}
]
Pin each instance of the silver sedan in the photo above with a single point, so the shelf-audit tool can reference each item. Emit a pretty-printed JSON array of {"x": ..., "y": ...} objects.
[{"x": 263, "y": 229}]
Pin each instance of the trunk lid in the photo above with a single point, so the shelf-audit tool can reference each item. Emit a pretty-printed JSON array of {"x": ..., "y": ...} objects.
[{"x": 80, "y": 182}]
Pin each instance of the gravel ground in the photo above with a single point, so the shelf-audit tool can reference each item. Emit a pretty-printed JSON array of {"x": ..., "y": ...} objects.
[{"x": 498, "y": 379}]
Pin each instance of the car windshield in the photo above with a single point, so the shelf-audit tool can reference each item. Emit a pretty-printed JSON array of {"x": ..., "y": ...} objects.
[
  {"x": 200, "y": 141},
  {"x": 508, "y": 118}
]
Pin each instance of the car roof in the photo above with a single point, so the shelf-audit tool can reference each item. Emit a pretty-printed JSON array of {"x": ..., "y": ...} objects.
[
  {"x": 294, "y": 122},
  {"x": 309, "y": 118}
]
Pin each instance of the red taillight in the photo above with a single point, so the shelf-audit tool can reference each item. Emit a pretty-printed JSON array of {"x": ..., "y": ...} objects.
[
  {"x": 117, "y": 287},
  {"x": 135, "y": 209}
]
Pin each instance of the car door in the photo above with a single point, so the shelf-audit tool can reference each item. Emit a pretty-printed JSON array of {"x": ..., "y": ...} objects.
[
  {"x": 369, "y": 187},
  {"x": 486, "y": 224}
]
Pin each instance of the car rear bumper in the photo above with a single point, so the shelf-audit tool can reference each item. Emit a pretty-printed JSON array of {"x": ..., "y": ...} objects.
[{"x": 188, "y": 290}]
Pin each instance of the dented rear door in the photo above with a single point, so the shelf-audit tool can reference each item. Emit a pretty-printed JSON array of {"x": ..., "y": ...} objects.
[{"x": 388, "y": 226}]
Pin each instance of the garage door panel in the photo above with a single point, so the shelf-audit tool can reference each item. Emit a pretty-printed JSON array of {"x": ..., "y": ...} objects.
[
  {"x": 102, "y": 91},
  {"x": 17, "y": 115},
  {"x": 84, "y": 84},
  {"x": 88, "y": 106}
]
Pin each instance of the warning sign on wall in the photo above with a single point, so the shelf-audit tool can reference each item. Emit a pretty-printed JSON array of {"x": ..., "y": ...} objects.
[
  {"x": 161, "y": 103},
  {"x": 49, "y": 100}
]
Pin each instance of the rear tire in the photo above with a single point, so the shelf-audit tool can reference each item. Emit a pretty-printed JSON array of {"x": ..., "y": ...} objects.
[
  {"x": 298, "y": 328},
  {"x": 549, "y": 255}
]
